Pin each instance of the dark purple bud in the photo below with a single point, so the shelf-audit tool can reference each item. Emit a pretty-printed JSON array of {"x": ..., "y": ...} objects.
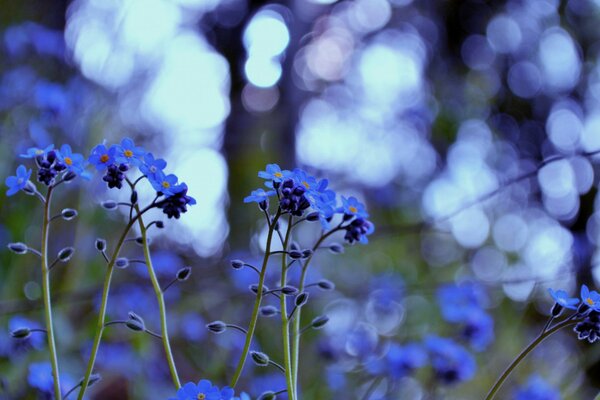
[
  {"x": 268, "y": 311},
  {"x": 159, "y": 224},
  {"x": 100, "y": 244},
  {"x": 313, "y": 216},
  {"x": 237, "y": 264},
  {"x": 109, "y": 204},
  {"x": 306, "y": 253},
  {"x": 135, "y": 322},
  {"x": 18, "y": 248},
  {"x": 123, "y": 167},
  {"x": 268, "y": 395},
  {"x": 183, "y": 274},
  {"x": 69, "y": 176},
  {"x": 259, "y": 358},
  {"x": 336, "y": 248},
  {"x": 134, "y": 197},
  {"x": 122, "y": 262},
  {"x": 65, "y": 254},
  {"x": 295, "y": 254},
  {"x": 325, "y": 284},
  {"x": 319, "y": 322},
  {"x": 20, "y": 333},
  {"x": 217, "y": 327},
  {"x": 301, "y": 299},
  {"x": 289, "y": 290},
  {"x": 68, "y": 214}
]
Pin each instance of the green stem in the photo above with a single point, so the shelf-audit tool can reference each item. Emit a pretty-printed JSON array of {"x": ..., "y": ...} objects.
[
  {"x": 259, "y": 294},
  {"x": 543, "y": 335},
  {"x": 161, "y": 303},
  {"x": 104, "y": 303},
  {"x": 46, "y": 295},
  {"x": 285, "y": 328}
]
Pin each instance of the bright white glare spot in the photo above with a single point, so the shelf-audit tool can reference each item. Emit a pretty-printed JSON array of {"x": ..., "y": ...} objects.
[
  {"x": 327, "y": 56},
  {"x": 559, "y": 60},
  {"x": 524, "y": 79},
  {"x": 324, "y": 2},
  {"x": 198, "y": 5},
  {"x": 488, "y": 263},
  {"x": 564, "y": 207},
  {"x": 590, "y": 138},
  {"x": 342, "y": 316},
  {"x": 557, "y": 178},
  {"x": 259, "y": 100},
  {"x": 266, "y": 35},
  {"x": 504, "y": 34},
  {"x": 370, "y": 15},
  {"x": 564, "y": 129},
  {"x": 584, "y": 174},
  {"x": 520, "y": 287},
  {"x": 471, "y": 227},
  {"x": 548, "y": 249},
  {"x": 190, "y": 91},
  {"x": 262, "y": 72},
  {"x": 477, "y": 53},
  {"x": 510, "y": 232}
]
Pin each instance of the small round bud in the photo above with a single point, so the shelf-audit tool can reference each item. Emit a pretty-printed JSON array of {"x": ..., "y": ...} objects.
[
  {"x": 68, "y": 214},
  {"x": 556, "y": 310},
  {"x": 268, "y": 311},
  {"x": 325, "y": 284},
  {"x": 134, "y": 197},
  {"x": 237, "y": 264},
  {"x": 18, "y": 248},
  {"x": 122, "y": 262},
  {"x": 135, "y": 322},
  {"x": 336, "y": 248},
  {"x": 301, "y": 299},
  {"x": 109, "y": 204},
  {"x": 140, "y": 240},
  {"x": 259, "y": 358},
  {"x": 289, "y": 290},
  {"x": 268, "y": 395},
  {"x": 183, "y": 274},
  {"x": 123, "y": 167},
  {"x": 100, "y": 244},
  {"x": 319, "y": 322},
  {"x": 65, "y": 254},
  {"x": 29, "y": 188},
  {"x": 294, "y": 246},
  {"x": 159, "y": 224},
  {"x": 69, "y": 176},
  {"x": 254, "y": 288},
  {"x": 21, "y": 333},
  {"x": 306, "y": 253},
  {"x": 217, "y": 327},
  {"x": 295, "y": 254},
  {"x": 313, "y": 216},
  {"x": 94, "y": 378},
  {"x": 263, "y": 205}
]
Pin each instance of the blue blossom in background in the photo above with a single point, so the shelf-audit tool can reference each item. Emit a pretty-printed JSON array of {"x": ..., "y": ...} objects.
[
  {"x": 51, "y": 97},
  {"x": 19, "y": 181},
  {"x": 479, "y": 330},
  {"x": 458, "y": 302},
  {"x": 561, "y": 298},
  {"x": 536, "y": 388},
  {"x": 36, "y": 340},
  {"x": 450, "y": 361},
  {"x": 129, "y": 153},
  {"x": 399, "y": 361},
  {"x": 33, "y": 152},
  {"x": 352, "y": 207},
  {"x": 102, "y": 157},
  {"x": 259, "y": 196},
  {"x": 40, "y": 376}
]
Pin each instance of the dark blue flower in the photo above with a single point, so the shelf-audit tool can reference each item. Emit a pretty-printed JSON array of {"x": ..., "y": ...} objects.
[
  {"x": 129, "y": 153},
  {"x": 115, "y": 175},
  {"x": 358, "y": 230},
  {"x": 177, "y": 203},
  {"x": 102, "y": 157},
  {"x": 536, "y": 388},
  {"x": 449, "y": 360},
  {"x": 589, "y": 328},
  {"x": 49, "y": 166},
  {"x": 204, "y": 390},
  {"x": 259, "y": 196},
  {"x": 75, "y": 162},
  {"x": 293, "y": 199},
  {"x": 19, "y": 181},
  {"x": 33, "y": 152},
  {"x": 590, "y": 299},
  {"x": 459, "y": 302},
  {"x": 152, "y": 167},
  {"x": 352, "y": 207},
  {"x": 479, "y": 330}
]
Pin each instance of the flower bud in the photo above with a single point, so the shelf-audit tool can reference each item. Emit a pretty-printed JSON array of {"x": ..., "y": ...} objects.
[
  {"x": 295, "y": 254},
  {"x": 100, "y": 244},
  {"x": 259, "y": 358},
  {"x": 217, "y": 327},
  {"x": 268, "y": 395},
  {"x": 21, "y": 333},
  {"x": 301, "y": 299},
  {"x": 94, "y": 378},
  {"x": 109, "y": 204},
  {"x": 306, "y": 253},
  {"x": 159, "y": 224},
  {"x": 140, "y": 241},
  {"x": 122, "y": 262},
  {"x": 319, "y": 322},
  {"x": 336, "y": 248},
  {"x": 134, "y": 197},
  {"x": 254, "y": 288},
  {"x": 29, "y": 188},
  {"x": 268, "y": 311},
  {"x": 289, "y": 290},
  {"x": 135, "y": 322},
  {"x": 18, "y": 248},
  {"x": 183, "y": 274},
  {"x": 68, "y": 214},
  {"x": 65, "y": 254},
  {"x": 237, "y": 264},
  {"x": 69, "y": 176},
  {"x": 313, "y": 216},
  {"x": 325, "y": 284}
]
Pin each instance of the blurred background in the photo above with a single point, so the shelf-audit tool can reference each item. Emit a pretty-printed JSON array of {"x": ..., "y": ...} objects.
[{"x": 437, "y": 114}]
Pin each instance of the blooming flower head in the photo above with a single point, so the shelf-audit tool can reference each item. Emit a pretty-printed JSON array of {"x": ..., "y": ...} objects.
[
  {"x": 204, "y": 390},
  {"x": 536, "y": 388},
  {"x": 352, "y": 207},
  {"x": 589, "y": 298},
  {"x": 19, "y": 181},
  {"x": 33, "y": 152},
  {"x": 274, "y": 175},
  {"x": 73, "y": 161},
  {"x": 562, "y": 298},
  {"x": 128, "y": 153},
  {"x": 152, "y": 167},
  {"x": 450, "y": 361},
  {"x": 323, "y": 201},
  {"x": 165, "y": 184},
  {"x": 300, "y": 177},
  {"x": 259, "y": 196},
  {"x": 101, "y": 157}
]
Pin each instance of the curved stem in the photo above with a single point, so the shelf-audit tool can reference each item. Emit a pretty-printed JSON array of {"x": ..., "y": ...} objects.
[
  {"x": 285, "y": 327},
  {"x": 46, "y": 295},
  {"x": 543, "y": 335},
  {"x": 161, "y": 303},
  {"x": 255, "y": 310},
  {"x": 104, "y": 303}
]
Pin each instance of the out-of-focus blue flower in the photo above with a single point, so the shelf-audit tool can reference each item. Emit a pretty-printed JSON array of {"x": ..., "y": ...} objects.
[
  {"x": 51, "y": 97},
  {"x": 562, "y": 298},
  {"x": 35, "y": 340},
  {"x": 203, "y": 390},
  {"x": 102, "y": 157},
  {"x": 40, "y": 376},
  {"x": 589, "y": 298},
  {"x": 458, "y": 302},
  {"x": 401, "y": 361},
  {"x": 269, "y": 381},
  {"x": 352, "y": 207},
  {"x": 152, "y": 167},
  {"x": 536, "y": 388},
  {"x": 129, "y": 153},
  {"x": 33, "y": 152},
  {"x": 17, "y": 182},
  {"x": 362, "y": 341},
  {"x": 449, "y": 360},
  {"x": 259, "y": 196},
  {"x": 75, "y": 162},
  {"x": 479, "y": 330},
  {"x": 177, "y": 203}
]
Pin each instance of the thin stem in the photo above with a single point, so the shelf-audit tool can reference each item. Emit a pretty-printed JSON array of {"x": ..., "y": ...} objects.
[
  {"x": 105, "y": 256},
  {"x": 34, "y": 251},
  {"x": 278, "y": 366},
  {"x": 372, "y": 386},
  {"x": 543, "y": 335},
  {"x": 239, "y": 328},
  {"x": 169, "y": 285},
  {"x": 121, "y": 322},
  {"x": 253, "y": 267},
  {"x": 161, "y": 302},
  {"x": 104, "y": 303},
  {"x": 46, "y": 295},
  {"x": 285, "y": 328},
  {"x": 71, "y": 390},
  {"x": 255, "y": 310}
]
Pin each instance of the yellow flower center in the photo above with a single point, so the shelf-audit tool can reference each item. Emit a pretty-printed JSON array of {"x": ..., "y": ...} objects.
[
  {"x": 353, "y": 209},
  {"x": 166, "y": 184},
  {"x": 306, "y": 185},
  {"x": 589, "y": 301},
  {"x": 128, "y": 153},
  {"x": 39, "y": 152},
  {"x": 68, "y": 161},
  {"x": 104, "y": 158},
  {"x": 278, "y": 174},
  {"x": 201, "y": 396},
  {"x": 19, "y": 181}
]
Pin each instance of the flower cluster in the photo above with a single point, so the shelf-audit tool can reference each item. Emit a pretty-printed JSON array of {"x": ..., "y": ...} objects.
[
  {"x": 588, "y": 311},
  {"x": 204, "y": 390},
  {"x": 298, "y": 192}
]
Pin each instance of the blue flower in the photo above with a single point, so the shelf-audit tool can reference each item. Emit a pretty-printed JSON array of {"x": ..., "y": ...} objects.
[
  {"x": 459, "y": 303},
  {"x": 165, "y": 184},
  {"x": 18, "y": 182},
  {"x": 300, "y": 177},
  {"x": 449, "y": 360},
  {"x": 40, "y": 376},
  {"x": 401, "y": 361},
  {"x": 204, "y": 390},
  {"x": 590, "y": 299},
  {"x": 274, "y": 174},
  {"x": 101, "y": 157},
  {"x": 259, "y": 196},
  {"x": 75, "y": 162},
  {"x": 562, "y": 298},
  {"x": 352, "y": 207},
  {"x": 479, "y": 330},
  {"x": 323, "y": 201},
  {"x": 33, "y": 152},
  {"x": 129, "y": 153},
  {"x": 152, "y": 167},
  {"x": 177, "y": 203},
  {"x": 536, "y": 388}
]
